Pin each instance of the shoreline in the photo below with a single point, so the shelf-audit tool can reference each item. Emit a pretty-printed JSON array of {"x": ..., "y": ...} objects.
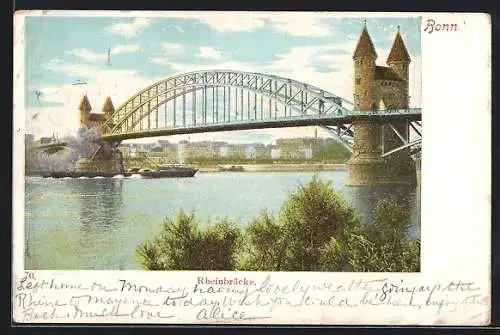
[{"x": 277, "y": 167}]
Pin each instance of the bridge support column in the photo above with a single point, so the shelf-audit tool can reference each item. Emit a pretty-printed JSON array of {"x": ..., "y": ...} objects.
[
  {"x": 367, "y": 167},
  {"x": 107, "y": 159}
]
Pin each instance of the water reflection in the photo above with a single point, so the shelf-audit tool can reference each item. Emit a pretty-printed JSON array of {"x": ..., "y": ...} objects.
[
  {"x": 100, "y": 203},
  {"x": 365, "y": 198}
]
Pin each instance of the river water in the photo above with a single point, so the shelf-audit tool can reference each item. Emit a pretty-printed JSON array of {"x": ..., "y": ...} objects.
[{"x": 97, "y": 223}]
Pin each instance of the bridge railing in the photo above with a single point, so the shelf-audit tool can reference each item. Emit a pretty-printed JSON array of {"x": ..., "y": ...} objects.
[
  {"x": 340, "y": 114},
  {"x": 392, "y": 111}
]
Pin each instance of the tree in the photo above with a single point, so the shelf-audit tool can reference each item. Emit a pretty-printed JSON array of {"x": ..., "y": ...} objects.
[
  {"x": 217, "y": 246},
  {"x": 182, "y": 245},
  {"x": 310, "y": 216},
  {"x": 263, "y": 245},
  {"x": 382, "y": 246},
  {"x": 333, "y": 151}
]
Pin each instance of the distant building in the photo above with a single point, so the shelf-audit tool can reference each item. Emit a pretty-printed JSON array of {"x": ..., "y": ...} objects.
[
  {"x": 250, "y": 152},
  {"x": 298, "y": 148},
  {"x": 257, "y": 151},
  {"x": 274, "y": 151},
  {"x": 196, "y": 150},
  {"x": 236, "y": 151},
  {"x": 29, "y": 140},
  {"x": 47, "y": 140}
]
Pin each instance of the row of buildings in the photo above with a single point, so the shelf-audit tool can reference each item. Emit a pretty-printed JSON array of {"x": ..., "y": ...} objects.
[
  {"x": 293, "y": 148},
  {"x": 29, "y": 140}
]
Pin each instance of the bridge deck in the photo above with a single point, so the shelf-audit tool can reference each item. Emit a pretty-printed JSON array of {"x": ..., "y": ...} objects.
[{"x": 297, "y": 121}]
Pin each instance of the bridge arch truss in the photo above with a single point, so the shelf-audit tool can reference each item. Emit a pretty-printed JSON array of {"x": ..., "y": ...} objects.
[{"x": 221, "y": 97}]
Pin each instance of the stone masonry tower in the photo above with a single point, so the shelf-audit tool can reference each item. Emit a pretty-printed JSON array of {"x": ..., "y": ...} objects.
[
  {"x": 107, "y": 157},
  {"x": 377, "y": 87},
  {"x": 85, "y": 109},
  {"x": 95, "y": 121}
]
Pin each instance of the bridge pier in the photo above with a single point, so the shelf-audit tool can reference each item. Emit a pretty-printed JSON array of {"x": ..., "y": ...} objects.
[
  {"x": 107, "y": 159},
  {"x": 381, "y": 172},
  {"x": 366, "y": 167}
]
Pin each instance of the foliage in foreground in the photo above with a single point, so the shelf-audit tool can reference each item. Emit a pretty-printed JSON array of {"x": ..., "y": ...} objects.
[
  {"x": 316, "y": 230},
  {"x": 182, "y": 245}
]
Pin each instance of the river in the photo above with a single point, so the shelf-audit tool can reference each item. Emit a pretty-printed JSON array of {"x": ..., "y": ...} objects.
[{"x": 97, "y": 224}]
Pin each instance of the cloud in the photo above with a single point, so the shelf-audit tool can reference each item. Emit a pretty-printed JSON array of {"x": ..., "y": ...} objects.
[
  {"x": 293, "y": 24},
  {"x": 125, "y": 48},
  {"x": 223, "y": 65},
  {"x": 159, "y": 60},
  {"x": 130, "y": 29},
  {"x": 209, "y": 53},
  {"x": 87, "y": 55},
  {"x": 173, "y": 48},
  {"x": 301, "y": 26},
  {"x": 178, "y": 28},
  {"x": 296, "y": 57},
  {"x": 232, "y": 21},
  {"x": 169, "y": 49},
  {"x": 94, "y": 57}
]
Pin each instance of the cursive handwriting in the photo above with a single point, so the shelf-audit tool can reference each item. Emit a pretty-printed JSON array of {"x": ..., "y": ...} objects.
[{"x": 46, "y": 299}]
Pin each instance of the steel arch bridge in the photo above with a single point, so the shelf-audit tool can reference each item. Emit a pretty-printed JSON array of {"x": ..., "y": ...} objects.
[{"x": 222, "y": 100}]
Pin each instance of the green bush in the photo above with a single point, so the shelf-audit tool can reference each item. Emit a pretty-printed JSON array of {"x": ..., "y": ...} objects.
[
  {"x": 182, "y": 245},
  {"x": 382, "y": 246},
  {"x": 310, "y": 216},
  {"x": 263, "y": 245}
]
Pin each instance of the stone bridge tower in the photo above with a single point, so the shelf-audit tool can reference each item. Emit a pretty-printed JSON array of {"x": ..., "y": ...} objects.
[
  {"x": 107, "y": 157},
  {"x": 95, "y": 121},
  {"x": 375, "y": 88}
]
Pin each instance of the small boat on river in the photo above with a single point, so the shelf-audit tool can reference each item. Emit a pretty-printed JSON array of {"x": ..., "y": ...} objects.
[
  {"x": 230, "y": 168},
  {"x": 168, "y": 171}
]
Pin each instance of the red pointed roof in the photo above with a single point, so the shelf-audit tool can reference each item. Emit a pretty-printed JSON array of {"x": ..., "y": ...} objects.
[
  {"x": 108, "y": 105},
  {"x": 365, "y": 47},
  {"x": 85, "y": 104},
  {"x": 398, "y": 51}
]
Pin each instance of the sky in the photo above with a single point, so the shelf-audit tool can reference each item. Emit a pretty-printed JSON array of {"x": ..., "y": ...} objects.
[{"x": 315, "y": 48}]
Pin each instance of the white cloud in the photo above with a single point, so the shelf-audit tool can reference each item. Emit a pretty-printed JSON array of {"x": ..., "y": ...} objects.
[
  {"x": 301, "y": 26},
  {"x": 178, "y": 28},
  {"x": 169, "y": 49},
  {"x": 94, "y": 57},
  {"x": 125, "y": 48},
  {"x": 173, "y": 48},
  {"x": 209, "y": 53},
  {"x": 87, "y": 55},
  {"x": 232, "y": 21},
  {"x": 225, "y": 65},
  {"x": 295, "y": 24},
  {"x": 296, "y": 58},
  {"x": 159, "y": 60},
  {"x": 130, "y": 29}
]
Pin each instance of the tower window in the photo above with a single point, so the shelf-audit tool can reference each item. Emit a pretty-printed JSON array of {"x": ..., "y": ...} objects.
[{"x": 358, "y": 81}]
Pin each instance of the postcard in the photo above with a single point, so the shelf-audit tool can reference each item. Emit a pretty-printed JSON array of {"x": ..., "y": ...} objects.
[{"x": 251, "y": 168}]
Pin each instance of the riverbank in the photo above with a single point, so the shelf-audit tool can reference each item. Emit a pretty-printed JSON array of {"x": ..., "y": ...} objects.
[{"x": 278, "y": 167}]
